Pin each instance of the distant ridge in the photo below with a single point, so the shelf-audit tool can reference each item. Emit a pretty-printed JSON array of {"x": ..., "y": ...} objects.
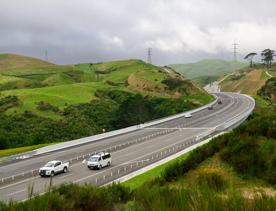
[
  {"x": 14, "y": 61},
  {"x": 207, "y": 67}
]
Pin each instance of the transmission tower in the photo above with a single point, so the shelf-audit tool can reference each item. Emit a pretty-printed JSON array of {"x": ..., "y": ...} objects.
[
  {"x": 235, "y": 52},
  {"x": 149, "y": 55},
  {"x": 46, "y": 56}
]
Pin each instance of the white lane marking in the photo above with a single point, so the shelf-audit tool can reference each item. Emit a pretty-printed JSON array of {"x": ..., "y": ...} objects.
[
  {"x": 67, "y": 175},
  {"x": 22, "y": 181},
  {"x": 177, "y": 128},
  {"x": 20, "y": 191}
]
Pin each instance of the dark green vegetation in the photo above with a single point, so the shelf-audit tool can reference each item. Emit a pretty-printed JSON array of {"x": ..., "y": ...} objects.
[
  {"x": 268, "y": 91},
  {"x": 207, "y": 71},
  {"x": 267, "y": 57},
  {"x": 234, "y": 171},
  {"x": 72, "y": 101},
  {"x": 250, "y": 58},
  {"x": 8, "y": 102}
]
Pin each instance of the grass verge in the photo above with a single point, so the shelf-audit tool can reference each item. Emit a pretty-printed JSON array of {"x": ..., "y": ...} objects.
[
  {"x": 18, "y": 150},
  {"x": 139, "y": 180}
]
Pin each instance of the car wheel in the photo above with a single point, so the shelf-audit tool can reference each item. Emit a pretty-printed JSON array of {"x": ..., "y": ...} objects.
[
  {"x": 65, "y": 170},
  {"x": 52, "y": 173},
  {"x": 100, "y": 166},
  {"x": 108, "y": 164}
]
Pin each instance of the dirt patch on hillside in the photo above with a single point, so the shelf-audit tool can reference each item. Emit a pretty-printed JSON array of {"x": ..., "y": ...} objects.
[
  {"x": 254, "y": 75},
  {"x": 145, "y": 86},
  {"x": 249, "y": 84}
]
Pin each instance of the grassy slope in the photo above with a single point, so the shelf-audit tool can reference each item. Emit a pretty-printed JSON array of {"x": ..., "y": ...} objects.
[{"x": 207, "y": 68}]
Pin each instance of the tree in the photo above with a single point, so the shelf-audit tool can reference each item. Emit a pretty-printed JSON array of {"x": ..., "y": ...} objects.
[
  {"x": 249, "y": 57},
  {"x": 267, "y": 57}
]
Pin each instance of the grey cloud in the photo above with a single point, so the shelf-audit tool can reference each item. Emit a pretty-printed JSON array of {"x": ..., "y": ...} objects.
[{"x": 178, "y": 31}]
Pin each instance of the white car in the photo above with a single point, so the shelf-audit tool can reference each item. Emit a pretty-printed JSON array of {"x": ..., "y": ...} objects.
[
  {"x": 188, "y": 115},
  {"x": 99, "y": 160},
  {"x": 53, "y": 167}
]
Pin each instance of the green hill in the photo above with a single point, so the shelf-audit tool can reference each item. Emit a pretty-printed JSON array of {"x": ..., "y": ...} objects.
[
  {"x": 63, "y": 85},
  {"x": 206, "y": 71}
]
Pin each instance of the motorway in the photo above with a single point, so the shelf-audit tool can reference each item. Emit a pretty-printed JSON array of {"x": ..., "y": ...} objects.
[{"x": 148, "y": 145}]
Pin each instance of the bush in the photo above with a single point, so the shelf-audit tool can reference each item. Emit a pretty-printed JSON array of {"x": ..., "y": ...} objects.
[
  {"x": 8, "y": 102},
  {"x": 268, "y": 90},
  {"x": 43, "y": 106}
]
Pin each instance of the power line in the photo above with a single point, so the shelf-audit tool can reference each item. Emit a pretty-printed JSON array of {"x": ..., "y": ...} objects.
[
  {"x": 149, "y": 55},
  {"x": 235, "y": 52}
]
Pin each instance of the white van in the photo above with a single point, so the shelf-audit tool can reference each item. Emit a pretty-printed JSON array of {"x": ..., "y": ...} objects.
[
  {"x": 99, "y": 160},
  {"x": 188, "y": 115}
]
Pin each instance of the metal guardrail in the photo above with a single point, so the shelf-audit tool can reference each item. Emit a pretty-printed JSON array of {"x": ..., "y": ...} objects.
[{"x": 172, "y": 149}]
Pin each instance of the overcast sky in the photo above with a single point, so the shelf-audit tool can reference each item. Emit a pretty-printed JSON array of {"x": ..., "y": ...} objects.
[{"x": 178, "y": 31}]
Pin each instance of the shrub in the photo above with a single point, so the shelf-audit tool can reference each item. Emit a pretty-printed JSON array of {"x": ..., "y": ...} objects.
[
  {"x": 8, "y": 102},
  {"x": 43, "y": 106}
]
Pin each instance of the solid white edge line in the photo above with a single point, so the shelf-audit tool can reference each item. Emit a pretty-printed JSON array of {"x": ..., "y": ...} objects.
[{"x": 20, "y": 191}]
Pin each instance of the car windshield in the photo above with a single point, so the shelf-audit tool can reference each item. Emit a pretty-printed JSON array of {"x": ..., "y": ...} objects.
[
  {"x": 49, "y": 165},
  {"x": 94, "y": 159}
]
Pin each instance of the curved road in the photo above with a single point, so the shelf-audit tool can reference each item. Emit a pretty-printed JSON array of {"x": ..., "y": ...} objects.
[{"x": 142, "y": 147}]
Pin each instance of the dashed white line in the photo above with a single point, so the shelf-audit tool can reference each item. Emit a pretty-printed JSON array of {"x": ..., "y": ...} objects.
[
  {"x": 67, "y": 175},
  {"x": 20, "y": 191}
]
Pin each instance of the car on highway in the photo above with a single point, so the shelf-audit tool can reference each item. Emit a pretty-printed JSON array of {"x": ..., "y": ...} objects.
[
  {"x": 53, "y": 167},
  {"x": 99, "y": 161},
  {"x": 188, "y": 115},
  {"x": 210, "y": 107},
  {"x": 219, "y": 101}
]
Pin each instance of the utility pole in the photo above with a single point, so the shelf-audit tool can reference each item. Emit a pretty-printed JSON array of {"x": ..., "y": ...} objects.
[
  {"x": 235, "y": 50},
  {"x": 46, "y": 56},
  {"x": 149, "y": 55}
]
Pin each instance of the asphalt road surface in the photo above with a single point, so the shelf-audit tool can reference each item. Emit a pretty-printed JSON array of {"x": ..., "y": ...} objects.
[{"x": 181, "y": 130}]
